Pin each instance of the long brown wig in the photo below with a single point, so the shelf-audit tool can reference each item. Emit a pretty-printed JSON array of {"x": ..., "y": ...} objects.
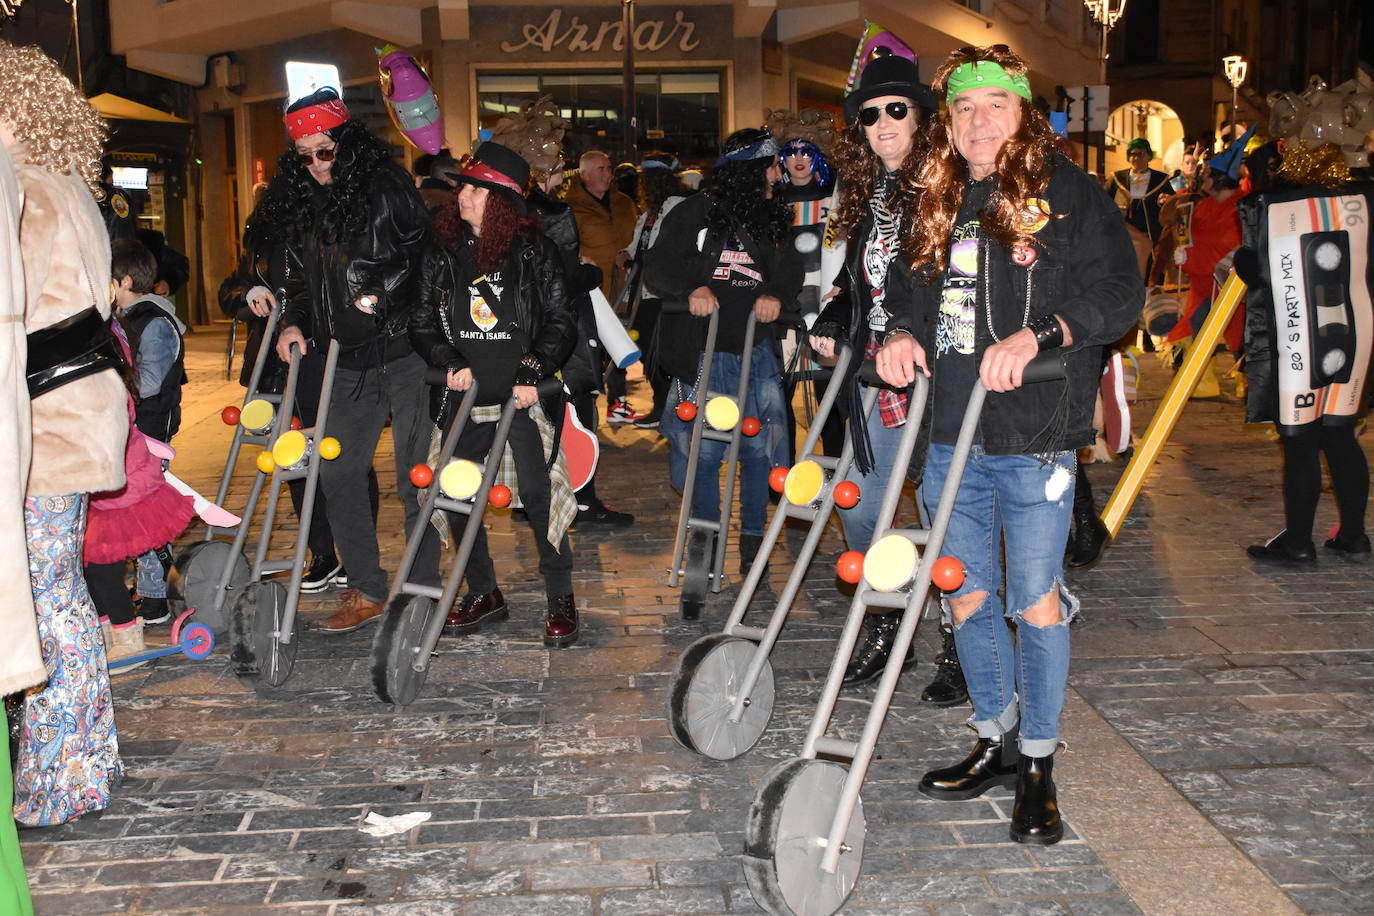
[
  {"x": 858, "y": 167},
  {"x": 1024, "y": 167},
  {"x": 500, "y": 222}
]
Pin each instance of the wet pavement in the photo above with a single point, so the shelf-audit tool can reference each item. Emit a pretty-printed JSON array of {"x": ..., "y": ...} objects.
[{"x": 1220, "y": 750}]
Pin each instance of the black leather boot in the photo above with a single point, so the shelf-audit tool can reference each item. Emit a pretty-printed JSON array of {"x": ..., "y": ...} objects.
[
  {"x": 871, "y": 658},
  {"x": 948, "y": 688},
  {"x": 749, "y": 545},
  {"x": 1035, "y": 813},
  {"x": 1089, "y": 536},
  {"x": 992, "y": 763}
]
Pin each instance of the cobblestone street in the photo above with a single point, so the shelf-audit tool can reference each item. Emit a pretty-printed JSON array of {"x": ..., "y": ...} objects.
[{"x": 1220, "y": 737}]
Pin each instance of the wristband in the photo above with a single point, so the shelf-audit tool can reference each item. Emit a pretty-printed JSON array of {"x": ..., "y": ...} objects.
[{"x": 1049, "y": 333}]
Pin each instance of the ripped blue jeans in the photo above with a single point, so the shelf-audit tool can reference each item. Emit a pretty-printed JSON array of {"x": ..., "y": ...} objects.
[
  {"x": 758, "y": 454},
  {"x": 1028, "y": 502}
]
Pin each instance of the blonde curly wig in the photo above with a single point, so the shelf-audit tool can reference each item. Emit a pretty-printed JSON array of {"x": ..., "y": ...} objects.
[{"x": 59, "y": 128}]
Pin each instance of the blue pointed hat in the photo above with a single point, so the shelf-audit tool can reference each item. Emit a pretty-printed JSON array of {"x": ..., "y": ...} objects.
[{"x": 1228, "y": 161}]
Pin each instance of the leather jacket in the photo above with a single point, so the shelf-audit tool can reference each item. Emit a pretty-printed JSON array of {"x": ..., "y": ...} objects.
[
  {"x": 582, "y": 371},
  {"x": 380, "y": 261},
  {"x": 533, "y": 290}
]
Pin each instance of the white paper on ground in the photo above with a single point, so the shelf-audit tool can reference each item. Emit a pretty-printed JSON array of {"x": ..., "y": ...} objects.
[{"x": 380, "y": 825}]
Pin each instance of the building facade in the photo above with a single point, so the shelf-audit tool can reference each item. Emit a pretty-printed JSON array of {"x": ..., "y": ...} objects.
[{"x": 701, "y": 69}]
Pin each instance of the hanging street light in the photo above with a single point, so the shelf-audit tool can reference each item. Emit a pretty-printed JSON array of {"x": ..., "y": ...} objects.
[
  {"x": 1106, "y": 13},
  {"x": 1235, "y": 67}
]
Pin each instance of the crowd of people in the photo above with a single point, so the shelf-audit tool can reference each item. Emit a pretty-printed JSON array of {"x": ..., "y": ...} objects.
[{"x": 938, "y": 230}]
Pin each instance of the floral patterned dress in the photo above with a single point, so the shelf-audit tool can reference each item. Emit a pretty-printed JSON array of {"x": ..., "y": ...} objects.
[{"x": 68, "y": 757}]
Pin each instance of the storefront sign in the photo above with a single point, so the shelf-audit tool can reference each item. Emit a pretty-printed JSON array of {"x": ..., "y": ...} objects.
[{"x": 575, "y": 33}]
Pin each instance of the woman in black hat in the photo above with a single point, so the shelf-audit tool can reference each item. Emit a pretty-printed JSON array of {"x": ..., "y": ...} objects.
[
  {"x": 494, "y": 309},
  {"x": 876, "y": 157}
]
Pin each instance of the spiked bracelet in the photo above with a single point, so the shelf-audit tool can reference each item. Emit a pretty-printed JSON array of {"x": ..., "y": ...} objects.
[{"x": 1049, "y": 333}]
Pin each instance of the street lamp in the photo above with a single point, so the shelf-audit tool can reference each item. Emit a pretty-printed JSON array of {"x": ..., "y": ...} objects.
[
  {"x": 1105, "y": 13},
  {"x": 1235, "y": 67}
]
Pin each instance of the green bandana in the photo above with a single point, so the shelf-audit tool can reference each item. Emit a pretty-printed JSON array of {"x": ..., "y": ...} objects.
[{"x": 984, "y": 73}]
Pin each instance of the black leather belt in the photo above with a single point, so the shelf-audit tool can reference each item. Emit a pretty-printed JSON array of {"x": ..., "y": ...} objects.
[{"x": 74, "y": 348}]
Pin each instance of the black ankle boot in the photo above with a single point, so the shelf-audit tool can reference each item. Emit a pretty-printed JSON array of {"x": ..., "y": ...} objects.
[
  {"x": 992, "y": 763},
  {"x": 749, "y": 545},
  {"x": 1087, "y": 541},
  {"x": 948, "y": 688},
  {"x": 868, "y": 663},
  {"x": 1035, "y": 813}
]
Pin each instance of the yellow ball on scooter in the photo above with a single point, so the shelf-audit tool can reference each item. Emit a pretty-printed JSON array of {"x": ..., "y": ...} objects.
[
  {"x": 265, "y": 462},
  {"x": 256, "y": 416},
  {"x": 460, "y": 479},
  {"x": 634, "y": 335},
  {"x": 890, "y": 563},
  {"x": 804, "y": 483},
  {"x": 722, "y": 412},
  {"x": 329, "y": 448}
]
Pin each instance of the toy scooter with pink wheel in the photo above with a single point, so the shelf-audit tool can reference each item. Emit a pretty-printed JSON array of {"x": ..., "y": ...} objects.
[{"x": 194, "y": 640}]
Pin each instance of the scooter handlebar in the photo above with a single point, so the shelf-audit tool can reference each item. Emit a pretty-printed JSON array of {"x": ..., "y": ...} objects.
[
  {"x": 1046, "y": 367},
  {"x": 438, "y": 377}
]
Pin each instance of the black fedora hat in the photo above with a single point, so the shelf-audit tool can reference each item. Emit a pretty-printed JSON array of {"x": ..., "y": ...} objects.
[
  {"x": 498, "y": 168},
  {"x": 888, "y": 74}
]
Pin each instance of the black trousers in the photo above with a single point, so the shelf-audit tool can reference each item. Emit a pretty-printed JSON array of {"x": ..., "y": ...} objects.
[
  {"x": 109, "y": 593},
  {"x": 1302, "y": 480}
]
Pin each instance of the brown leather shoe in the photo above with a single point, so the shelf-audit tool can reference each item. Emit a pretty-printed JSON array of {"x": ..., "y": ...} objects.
[
  {"x": 560, "y": 623},
  {"x": 474, "y": 611},
  {"x": 355, "y": 611}
]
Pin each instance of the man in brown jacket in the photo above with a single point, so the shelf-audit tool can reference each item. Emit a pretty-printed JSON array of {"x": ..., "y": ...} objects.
[{"x": 605, "y": 217}]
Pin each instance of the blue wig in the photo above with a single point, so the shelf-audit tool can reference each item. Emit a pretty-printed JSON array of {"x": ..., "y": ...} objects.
[{"x": 820, "y": 168}]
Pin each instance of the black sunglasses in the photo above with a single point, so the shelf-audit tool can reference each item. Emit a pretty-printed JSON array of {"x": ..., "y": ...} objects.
[
  {"x": 306, "y": 157},
  {"x": 897, "y": 111},
  {"x": 797, "y": 151}
]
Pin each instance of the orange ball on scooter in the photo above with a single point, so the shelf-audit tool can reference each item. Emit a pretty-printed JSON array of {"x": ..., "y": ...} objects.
[
  {"x": 499, "y": 496},
  {"x": 777, "y": 479},
  {"x": 947, "y": 574},
  {"x": 230, "y": 415},
  {"x": 686, "y": 411},
  {"x": 850, "y": 567},
  {"x": 422, "y": 475},
  {"x": 846, "y": 494}
]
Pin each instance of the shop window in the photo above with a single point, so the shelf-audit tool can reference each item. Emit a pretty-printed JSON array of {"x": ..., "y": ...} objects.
[{"x": 677, "y": 111}]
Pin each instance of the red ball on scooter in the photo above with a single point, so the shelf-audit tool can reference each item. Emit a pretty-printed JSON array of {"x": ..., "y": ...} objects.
[
  {"x": 850, "y": 567},
  {"x": 296, "y": 423},
  {"x": 947, "y": 574},
  {"x": 750, "y": 426},
  {"x": 230, "y": 415},
  {"x": 499, "y": 496},
  {"x": 846, "y": 494},
  {"x": 422, "y": 475},
  {"x": 777, "y": 479},
  {"x": 686, "y": 411}
]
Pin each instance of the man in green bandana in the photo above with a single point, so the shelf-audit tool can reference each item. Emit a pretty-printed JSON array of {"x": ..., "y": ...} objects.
[{"x": 1016, "y": 251}]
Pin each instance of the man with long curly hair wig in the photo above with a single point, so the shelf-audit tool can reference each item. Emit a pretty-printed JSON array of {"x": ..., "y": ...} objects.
[
  {"x": 1016, "y": 251},
  {"x": 355, "y": 228}
]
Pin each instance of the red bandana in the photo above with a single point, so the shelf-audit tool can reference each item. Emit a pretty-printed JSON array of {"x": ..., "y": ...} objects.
[{"x": 316, "y": 119}]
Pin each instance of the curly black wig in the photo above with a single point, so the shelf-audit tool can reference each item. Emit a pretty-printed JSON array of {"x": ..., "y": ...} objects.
[
  {"x": 287, "y": 206},
  {"x": 736, "y": 189},
  {"x": 656, "y": 186}
]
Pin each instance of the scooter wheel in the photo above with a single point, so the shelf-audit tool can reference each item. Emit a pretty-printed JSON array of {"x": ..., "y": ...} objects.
[
  {"x": 784, "y": 841},
  {"x": 696, "y": 575},
  {"x": 197, "y": 641},
  {"x": 194, "y": 579},
  {"x": 703, "y": 691},
  {"x": 396, "y": 648},
  {"x": 256, "y": 649}
]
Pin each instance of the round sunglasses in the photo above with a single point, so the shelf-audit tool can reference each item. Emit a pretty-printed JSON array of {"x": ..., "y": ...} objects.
[
  {"x": 305, "y": 157},
  {"x": 897, "y": 111}
]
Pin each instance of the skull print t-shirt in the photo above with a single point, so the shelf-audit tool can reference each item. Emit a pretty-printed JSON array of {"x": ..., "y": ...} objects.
[{"x": 957, "y": 352}]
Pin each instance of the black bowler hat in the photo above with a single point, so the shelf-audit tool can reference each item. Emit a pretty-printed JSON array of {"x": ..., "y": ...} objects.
[
  {"x": 888, "y": 74},
  {"x": 498, "y": 168}
]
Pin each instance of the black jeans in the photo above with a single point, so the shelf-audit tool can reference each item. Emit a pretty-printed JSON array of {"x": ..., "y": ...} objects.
[
  {"x": 361, "y": 403},
  {"x": 109, "y": 593},
  {"x": 555, "y": 565}
]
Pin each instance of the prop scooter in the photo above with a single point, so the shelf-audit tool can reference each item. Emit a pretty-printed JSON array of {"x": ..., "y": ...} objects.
[
  {"x": 415, "y": 613},
  {"x": 699, "y": 546},
  {"x": 804, "y": 839}
]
